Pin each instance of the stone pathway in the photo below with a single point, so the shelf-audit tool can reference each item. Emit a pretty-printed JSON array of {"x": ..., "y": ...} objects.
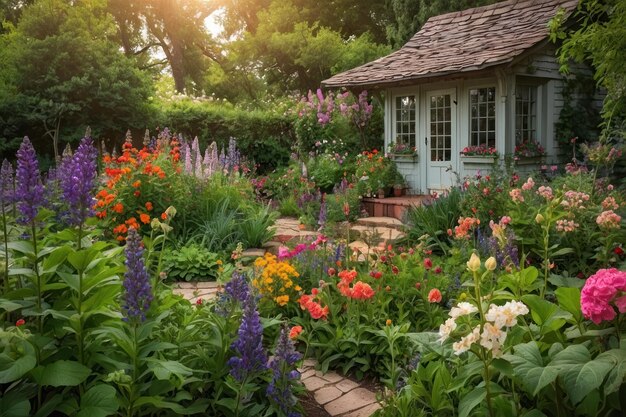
[
  {"x": 193, "y": 291},
  {"x": 340, "y": 396}
]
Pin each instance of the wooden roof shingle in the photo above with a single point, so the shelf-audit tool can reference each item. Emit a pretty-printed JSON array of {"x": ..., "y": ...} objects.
[{"x": 458, "y": 42}]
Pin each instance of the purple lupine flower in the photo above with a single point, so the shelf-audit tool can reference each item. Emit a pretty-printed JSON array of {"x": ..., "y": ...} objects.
[
  {"x": 28, "y": 189},
  {"x": 198, "y": 166},
  {"x": 213, "y": 161},
  {"x": 138, "y": 292},
  {"x": 279, "y": 390},
  {"x": 234, "y": 156},
  {"x": 223, "y": 159},
  {"x": 250, "y": 357},
  {"x": 7, "y": 185},
  {"x": 237, "y": 288},
  {"x": 77, "y": 180},
  {"x": 188, "y": 164}
]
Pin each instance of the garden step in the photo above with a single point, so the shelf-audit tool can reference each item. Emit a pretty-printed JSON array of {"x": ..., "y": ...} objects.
[
  {"x": 194, "y": 291},
  {"x": 375, "y": 234},
  {"x": 380, "y": 222}
]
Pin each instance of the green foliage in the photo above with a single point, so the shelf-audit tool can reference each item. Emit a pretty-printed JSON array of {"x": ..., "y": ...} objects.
[
  {"x": 54, "y": 65},
  {"x": 430, "y": 221},
  {"x": 264, "y": 136},
  {"x": 192, "y": 263},
  {"x": 599, "y": 37}
]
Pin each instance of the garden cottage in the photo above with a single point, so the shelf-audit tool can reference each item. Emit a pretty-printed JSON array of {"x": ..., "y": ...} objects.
[{"x": 482, "y": 79}]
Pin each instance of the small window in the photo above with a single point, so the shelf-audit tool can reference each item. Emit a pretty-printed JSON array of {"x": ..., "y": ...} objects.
[
  {"x": 483, "y": 117},
  {"x": 525, "y": 113},
  {"x": 405, "y": 120}
]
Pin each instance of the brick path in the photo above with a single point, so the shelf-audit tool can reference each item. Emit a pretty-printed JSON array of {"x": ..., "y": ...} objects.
[{"x": 340, "y": 396}]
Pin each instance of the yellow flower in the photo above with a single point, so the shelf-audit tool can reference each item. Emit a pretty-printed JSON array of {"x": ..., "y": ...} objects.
[
  {"x": 491, "y": 263},
  {"x": 474, "y": 263},
  {"x": 282, "y": 300}
]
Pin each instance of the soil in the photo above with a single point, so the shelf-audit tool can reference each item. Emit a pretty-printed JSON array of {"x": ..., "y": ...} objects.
[{"x": 311, "y": 407}]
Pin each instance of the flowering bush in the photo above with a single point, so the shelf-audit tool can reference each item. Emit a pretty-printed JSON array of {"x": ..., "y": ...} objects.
[
  {"x": 397, "y": 148},
  {"x": 480, "y": 150},
  {"x": 274, "y": 279},
  {"x": 604, "y": 292},
  {"x": 529, "y": 148}
]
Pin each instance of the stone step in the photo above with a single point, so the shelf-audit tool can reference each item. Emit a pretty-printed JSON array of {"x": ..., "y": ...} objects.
[
  {"x": 376, "y": 233},
  {"x": 389, "y": 222}
]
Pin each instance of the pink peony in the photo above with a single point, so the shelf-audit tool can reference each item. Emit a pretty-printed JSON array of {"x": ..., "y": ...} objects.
[
  {"x": 434, "y": 296},
  {"x": 606, "y": 286}
]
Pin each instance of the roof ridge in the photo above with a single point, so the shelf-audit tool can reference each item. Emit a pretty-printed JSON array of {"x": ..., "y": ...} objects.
[{"x": 499, "y": 4}]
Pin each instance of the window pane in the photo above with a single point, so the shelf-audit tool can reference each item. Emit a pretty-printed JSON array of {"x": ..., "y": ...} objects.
[
  {"x": 525, "y": 113},
  {"x": 482, "y": 116},
  {"x": 405, "y": 120}
]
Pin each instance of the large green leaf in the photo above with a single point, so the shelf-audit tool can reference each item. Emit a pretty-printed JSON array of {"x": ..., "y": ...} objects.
[
  {"x": 471, "y": 400},
  {"x": 99, "y": 401},
  {"x": 14, "y": 404},
  {"x": 61, "y": 374},
  {"x": 616, "y": 376},
  {"x": 569, "y": 300},
  {"x": 12, "y": 368},
  {"x": 81, "y": 259},
  {"x": 528, "y": 367},
  {"x": 546, "y": 314}
]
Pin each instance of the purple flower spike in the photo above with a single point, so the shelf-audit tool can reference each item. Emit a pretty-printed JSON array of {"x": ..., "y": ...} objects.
[
  {"x": 282, "y": 365},
  {"x": 237, "y": 288},
  {"x": 138, "y": 292},
  {"x": 250, "y": 358},
  {"x": 77, "y": 177},
  {"x": 29, "y": 189}
]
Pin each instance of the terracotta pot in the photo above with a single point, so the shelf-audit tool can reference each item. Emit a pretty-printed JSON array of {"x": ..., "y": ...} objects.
[{"x": 398, "y": 192}]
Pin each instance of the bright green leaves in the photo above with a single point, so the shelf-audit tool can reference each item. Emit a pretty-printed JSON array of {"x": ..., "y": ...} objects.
[
  {"x": 61, "y": 374},
  {"x": 17, "y": 357},
  {"x": 572, "y": 368}
]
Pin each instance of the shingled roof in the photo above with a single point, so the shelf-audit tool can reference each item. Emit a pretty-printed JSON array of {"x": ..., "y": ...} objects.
[{"x": 460, "y": 42}]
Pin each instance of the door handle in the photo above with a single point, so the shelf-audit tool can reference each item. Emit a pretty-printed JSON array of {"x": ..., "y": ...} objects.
[{"x": 426, "y": 141}]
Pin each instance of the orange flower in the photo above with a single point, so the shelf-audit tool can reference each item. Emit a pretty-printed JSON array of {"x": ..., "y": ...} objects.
[
  {"x": 434, "y": 296},
  {"x": 137, "y": 193},
  {"x": 145, "y": 218},
  {"x": 295, "y": 331},
  {"x": 118, "y": 208},
  {"x": 132, "y": 222},
  {"x": 163, "y": 216},
  {"x": 137, "y": 184},
  {"x": 120, "y": 229},
  {"x": 101, "y": 214},
  {"x": 149, "y": 206}
]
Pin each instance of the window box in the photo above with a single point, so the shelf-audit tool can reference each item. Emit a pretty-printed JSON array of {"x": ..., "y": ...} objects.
[
  {"x": 479, "y": 159},
  {"x": 529, "y": 160},
  {"x": 403, "y": 157}
]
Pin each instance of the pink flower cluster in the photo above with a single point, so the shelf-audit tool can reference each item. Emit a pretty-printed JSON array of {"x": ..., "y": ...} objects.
[
  {"x": 566, "y": 226},
  {"x": 285, "y": 253},
  {"x": 604, "y": 288},
  {"x": 608, "y": 220},
  {"x": 516, "y": 195},
  {"x": 529, "y": 184},
  {"x": 609, "y": 203},
  {"x": 574, "y": 200},
  {"x": 545, "y": 192}
]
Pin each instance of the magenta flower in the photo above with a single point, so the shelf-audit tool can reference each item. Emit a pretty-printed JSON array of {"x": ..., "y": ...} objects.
[{"x": 604, "y": 288}]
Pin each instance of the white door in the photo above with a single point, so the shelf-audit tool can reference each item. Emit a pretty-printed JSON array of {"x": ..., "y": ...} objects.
[{"x": 441, "y": 140}]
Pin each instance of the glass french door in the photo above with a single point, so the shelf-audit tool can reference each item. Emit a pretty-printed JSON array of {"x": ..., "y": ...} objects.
[{"x": 441, "y": 154}]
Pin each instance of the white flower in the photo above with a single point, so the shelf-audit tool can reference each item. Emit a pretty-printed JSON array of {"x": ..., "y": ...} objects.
[
  {"x": 462, "y": 309},
  {"x": 445, "y": 329},
  {"x": 506, "y": 315},
  {"x": 465, "y": 343},
  {"x": 492, "y": 338}
]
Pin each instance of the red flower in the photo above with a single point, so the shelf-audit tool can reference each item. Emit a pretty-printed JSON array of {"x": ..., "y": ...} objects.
[
  {"x": 618, "y": 251},
  {"x": 438, "y": 270},
  {"x": 362, "y": 291},
  {"x": 418, "y": 285},
  {"x": 199, "y": 302},
  {"x": 332, "y": 272},
  {"x": 376, "y": 274},
  {"x": 20, "y": 322},
  {"x": 434, "y": 296},
  {"x": 395, "y": 269},
  {"x": 428, "y": 263}
]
